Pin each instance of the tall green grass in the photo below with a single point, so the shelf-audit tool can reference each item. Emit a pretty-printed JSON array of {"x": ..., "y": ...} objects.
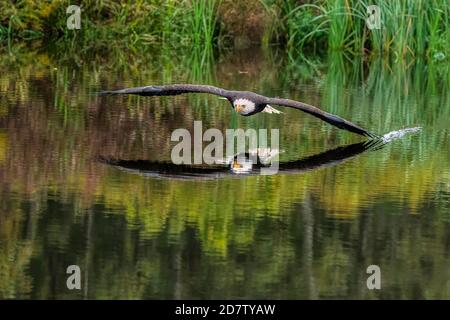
[
  {"x": 409, "y": 28},
  {"x": 129, "y": 24}
]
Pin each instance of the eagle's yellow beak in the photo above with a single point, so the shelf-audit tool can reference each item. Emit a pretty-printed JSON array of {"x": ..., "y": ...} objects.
[
  {"x": 236, "y": 165},
  {"x": 238, "y": 108}
]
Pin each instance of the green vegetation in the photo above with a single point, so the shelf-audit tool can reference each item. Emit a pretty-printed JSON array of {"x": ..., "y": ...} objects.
[
  {"x": 125, "y": 24},
  {"x": 409, "y": 28}
]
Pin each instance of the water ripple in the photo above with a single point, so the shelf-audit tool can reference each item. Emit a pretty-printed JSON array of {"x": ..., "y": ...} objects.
[{"x": 398, "y": 134}]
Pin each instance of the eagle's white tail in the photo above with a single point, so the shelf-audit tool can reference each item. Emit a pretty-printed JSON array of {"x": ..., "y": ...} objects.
[{"x": 269, "y": 109}]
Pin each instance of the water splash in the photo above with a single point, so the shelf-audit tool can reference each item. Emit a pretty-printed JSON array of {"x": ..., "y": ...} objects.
[{"x": 397, "y": 134}]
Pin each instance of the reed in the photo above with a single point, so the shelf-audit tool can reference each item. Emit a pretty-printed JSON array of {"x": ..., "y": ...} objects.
[
  {"x": 409, "y": 28},
  {"x": 128, "y": 24}
]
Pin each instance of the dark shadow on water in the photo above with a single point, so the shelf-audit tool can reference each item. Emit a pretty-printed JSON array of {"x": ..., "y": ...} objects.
[{"x": 168, "y": 170}]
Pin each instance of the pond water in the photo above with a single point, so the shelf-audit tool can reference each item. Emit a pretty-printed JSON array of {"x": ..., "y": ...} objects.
[{"x": 308, "y": 232}]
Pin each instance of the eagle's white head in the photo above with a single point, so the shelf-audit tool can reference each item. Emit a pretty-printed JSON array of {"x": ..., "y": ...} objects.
[{"x": 243, "y": 106}]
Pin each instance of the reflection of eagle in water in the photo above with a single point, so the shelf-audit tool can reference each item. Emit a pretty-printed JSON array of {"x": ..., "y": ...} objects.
[
  {"x": 244, "y": 102},
  {"x": 242, "y": 164}
]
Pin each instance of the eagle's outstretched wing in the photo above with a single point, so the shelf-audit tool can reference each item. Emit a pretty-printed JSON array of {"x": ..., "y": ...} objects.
[
  {"x": 325, "y": 116},
  {"x": 170, "y": 90}
]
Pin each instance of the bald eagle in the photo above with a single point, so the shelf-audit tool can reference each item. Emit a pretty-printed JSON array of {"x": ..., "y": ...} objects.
[{"x": 245, "y": 103}]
